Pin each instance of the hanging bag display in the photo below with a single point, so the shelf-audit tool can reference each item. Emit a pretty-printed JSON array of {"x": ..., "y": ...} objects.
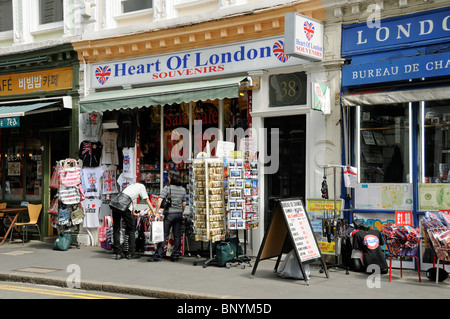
[
  {"x": 77, "y": 215},
  {"x": 54, "y": 181},
  {"x": 54, "y": 206},
  {"x": 70, "y": 173},
  {"x": 69, "y": 195},
  {"x": 63, "y": 216}
]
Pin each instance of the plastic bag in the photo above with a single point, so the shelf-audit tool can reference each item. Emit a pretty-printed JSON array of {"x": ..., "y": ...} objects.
[
  {"x": 62, "y": 242},
  {"x": 290, "y": 267}
]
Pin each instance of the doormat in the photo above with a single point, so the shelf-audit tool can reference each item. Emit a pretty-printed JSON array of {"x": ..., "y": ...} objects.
[{"x": 37, "y": 270}]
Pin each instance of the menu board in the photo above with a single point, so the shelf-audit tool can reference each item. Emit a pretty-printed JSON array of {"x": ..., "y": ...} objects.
[
  {"x": 290, "y": 220},
  {"x": 301, "y": 231}
]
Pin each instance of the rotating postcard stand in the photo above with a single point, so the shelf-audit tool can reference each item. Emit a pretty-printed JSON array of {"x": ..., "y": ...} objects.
[{"x": 209, "y": 214}]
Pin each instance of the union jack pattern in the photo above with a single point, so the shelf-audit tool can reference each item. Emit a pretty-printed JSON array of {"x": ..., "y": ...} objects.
[
  {"x": 309, "y": 28},
  {"x": 278, "y": 50},
  {"x": 102, "y": 74}
]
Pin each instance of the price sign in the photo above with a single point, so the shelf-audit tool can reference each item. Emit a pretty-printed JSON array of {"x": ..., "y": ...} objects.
[{"x": 404, "y": 218}]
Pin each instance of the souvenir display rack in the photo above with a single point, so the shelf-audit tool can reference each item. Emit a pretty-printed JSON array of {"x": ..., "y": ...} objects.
[
  {"x": 437, "y": 228},
  {"x": 208, "y": 202},
  {"x": 242, "y": 197}
]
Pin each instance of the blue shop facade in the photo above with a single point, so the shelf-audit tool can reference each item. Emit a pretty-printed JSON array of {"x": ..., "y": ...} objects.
[{"x": 396, "y": 117}]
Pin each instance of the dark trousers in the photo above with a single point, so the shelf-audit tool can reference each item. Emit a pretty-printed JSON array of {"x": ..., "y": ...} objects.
[
  {"x": 174, "y": 221},
  {"x": 117, "y": 216}
]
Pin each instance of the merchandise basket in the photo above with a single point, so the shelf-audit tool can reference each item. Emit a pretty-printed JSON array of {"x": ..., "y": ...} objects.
[{"x": 401, "y": 242}]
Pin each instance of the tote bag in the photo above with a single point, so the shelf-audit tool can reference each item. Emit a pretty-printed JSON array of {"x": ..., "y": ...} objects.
[
  {"x": 69, "y": 195},
  {"x": 70, "y": 173}
]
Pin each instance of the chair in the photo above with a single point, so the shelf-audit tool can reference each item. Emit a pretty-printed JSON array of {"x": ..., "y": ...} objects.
[{"x": 34, "y": 210}]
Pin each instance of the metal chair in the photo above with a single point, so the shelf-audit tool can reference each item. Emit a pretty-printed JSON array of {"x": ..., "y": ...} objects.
[{"x": 34, "y": 210}]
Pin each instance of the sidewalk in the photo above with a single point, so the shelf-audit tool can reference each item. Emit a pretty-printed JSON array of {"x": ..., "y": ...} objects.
[{"x": 98, "y": 270}]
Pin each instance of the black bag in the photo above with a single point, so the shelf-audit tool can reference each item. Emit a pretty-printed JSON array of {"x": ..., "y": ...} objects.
[
  {"x": 121, "y": 202},
  {"x": 432, "y": 273},
  {"x": 167, "y": 201}
]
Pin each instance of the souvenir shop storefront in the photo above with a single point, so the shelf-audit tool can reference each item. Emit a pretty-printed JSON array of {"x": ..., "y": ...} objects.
[
  {"x": 38, "y": 91},
  {"x": 164, "y": 110},
  {"x": 396, "y": 104}
]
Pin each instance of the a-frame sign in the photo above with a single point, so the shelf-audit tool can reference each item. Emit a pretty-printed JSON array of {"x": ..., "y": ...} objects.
[{"x": 290, "y": 219}]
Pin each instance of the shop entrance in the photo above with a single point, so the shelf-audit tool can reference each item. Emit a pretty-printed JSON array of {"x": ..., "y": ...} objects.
[{"x": 289, "y": 179}]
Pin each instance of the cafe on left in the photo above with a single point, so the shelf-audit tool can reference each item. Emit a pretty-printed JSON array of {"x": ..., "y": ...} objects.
[{"x": 38, "y": 125}]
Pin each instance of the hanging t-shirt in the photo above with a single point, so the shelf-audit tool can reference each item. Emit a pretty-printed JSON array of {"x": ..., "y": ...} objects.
[
  {"x": 370, "y": 242},
  {"x": 124, "y": 181},
  {"x": 127, "y": 122},
  {"x": 90, "y": 153},
  {"x": 91, "y": 207},
  {"x": 129, "y": 162},
  {"x": 109, "y": 180},
  {"x": 110, "y": 155},
  {"x": 91, "y": 181},
  {"x": 91, "y": 125}
]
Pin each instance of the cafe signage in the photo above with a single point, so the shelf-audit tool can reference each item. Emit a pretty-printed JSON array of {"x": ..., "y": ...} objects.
[{"x": 39, "y": 81}]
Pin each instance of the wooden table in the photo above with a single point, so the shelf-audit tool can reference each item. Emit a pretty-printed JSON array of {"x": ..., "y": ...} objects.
[{"x": 12, "y": 214}]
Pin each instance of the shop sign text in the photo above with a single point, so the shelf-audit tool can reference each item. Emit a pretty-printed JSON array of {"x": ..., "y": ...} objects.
[
  {"x": 416, "y": 29},
  {"x": 424, "y": 66},
  {"x": 239, "y": 57},
  {"x": 9, "y": 122}
]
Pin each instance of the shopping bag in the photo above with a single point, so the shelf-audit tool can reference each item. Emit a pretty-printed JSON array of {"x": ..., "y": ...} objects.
[
  {"x": 102, "y": 230},
  {"x": 54, "y": 180},
  {"x": 69, "y": 195},
  {"x": 77, "y": 215},
  {"x": 157, "y": 231},
  {"x": 53, "y": 209},
  {"x": 63, "y": 216},
  {"x": 70, "y": 173},
  {"x": 62, "y": 242},
  {"x": 170, "y": 243},
  {"x": 290, "y": 268}
]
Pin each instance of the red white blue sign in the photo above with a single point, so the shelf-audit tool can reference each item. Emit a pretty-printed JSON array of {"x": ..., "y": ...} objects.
[
  {"x": 303, "y": 37},
  {"x": 211, "y": 61}
]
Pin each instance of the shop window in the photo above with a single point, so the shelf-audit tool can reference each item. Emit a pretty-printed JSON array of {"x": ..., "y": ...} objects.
[
  {"x": 33, "y": 171},
  {"x": 384, "y": 143},
  {"x": 287, "y": 89},
  {"x": 135, "y": 5},
  {"x": 50, "y": 11},
  {"x": 6, "y": 15},
  {"x": 14, "y": 179},
  {"x": 436, "y": 130}
]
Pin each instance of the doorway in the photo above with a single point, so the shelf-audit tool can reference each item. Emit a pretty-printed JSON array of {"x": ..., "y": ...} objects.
[{"x": 289, "y": 180}]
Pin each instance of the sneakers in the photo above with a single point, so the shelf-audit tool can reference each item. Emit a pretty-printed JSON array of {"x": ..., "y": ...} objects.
[
  {"x": 133, "y": 256},
  {"x": 153, "y": 259},
  {"x": 119, "y": 256}
]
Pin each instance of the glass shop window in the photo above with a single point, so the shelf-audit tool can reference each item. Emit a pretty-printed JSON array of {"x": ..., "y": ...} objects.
[
  {"x": 6, "y": 15},
  {"x": 14, "y": 182},
  {"x": 384, "y": 143},
  {"x": 436, "y": 146}
]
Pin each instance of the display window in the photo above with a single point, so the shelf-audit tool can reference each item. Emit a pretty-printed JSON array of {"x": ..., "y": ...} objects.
[
  {"x": 384, "y": 143},
  {"x": 436, "y": 141},
  {"x": 22, "y": 164}
]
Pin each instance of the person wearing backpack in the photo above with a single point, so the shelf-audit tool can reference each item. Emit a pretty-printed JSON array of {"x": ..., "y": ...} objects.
[{"x": 173, "y": 215}]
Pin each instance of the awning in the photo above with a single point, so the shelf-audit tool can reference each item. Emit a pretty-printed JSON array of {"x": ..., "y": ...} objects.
[
  {"x": 161, "y": 95},
  {"x": 12, "y": 110},
  {"x": 392, "y": 97}
]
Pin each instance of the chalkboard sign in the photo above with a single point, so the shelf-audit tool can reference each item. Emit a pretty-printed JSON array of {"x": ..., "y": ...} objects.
[{"x": 290, "y": 219}]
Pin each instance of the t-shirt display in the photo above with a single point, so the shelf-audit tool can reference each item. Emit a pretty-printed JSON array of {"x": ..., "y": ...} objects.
[
  {"x": 90, "y": 153},
  {"x": 91, "y": 207},
  {"x": 110, "y": 155},
  {"x": 369, "y": 241},
  {"x": 127, "y": 122}
]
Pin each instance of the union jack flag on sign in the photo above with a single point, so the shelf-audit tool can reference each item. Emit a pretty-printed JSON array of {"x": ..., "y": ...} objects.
[
  {"x": 102, "y": 74},
  {"x": 308, "y": 27}
]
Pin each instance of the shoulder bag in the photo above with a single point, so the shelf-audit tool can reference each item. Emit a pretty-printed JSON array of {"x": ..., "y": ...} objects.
[{"x": 121, "y": 202}]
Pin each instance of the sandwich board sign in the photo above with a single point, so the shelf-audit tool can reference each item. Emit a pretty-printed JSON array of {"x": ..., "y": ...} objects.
[{"x": 290, "y": 219}]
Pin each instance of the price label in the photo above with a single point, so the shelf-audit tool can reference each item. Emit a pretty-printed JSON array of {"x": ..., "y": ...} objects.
[{"x": 404, "y": 218}]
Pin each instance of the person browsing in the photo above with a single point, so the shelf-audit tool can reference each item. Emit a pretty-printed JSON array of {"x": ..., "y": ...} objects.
[{"x": 173, "y": 216}]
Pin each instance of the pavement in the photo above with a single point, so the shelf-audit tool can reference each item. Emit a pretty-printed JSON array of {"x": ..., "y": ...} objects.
[{"x": 93, "y": 268}]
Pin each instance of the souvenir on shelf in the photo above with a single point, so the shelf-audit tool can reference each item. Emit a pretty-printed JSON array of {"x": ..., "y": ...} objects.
[{"x": 208, "y": 199}]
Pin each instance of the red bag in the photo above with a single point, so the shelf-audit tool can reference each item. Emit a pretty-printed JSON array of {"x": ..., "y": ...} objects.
[
  {"x": 54, "y": 181},
  {"x": 103, "y": 230}
]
